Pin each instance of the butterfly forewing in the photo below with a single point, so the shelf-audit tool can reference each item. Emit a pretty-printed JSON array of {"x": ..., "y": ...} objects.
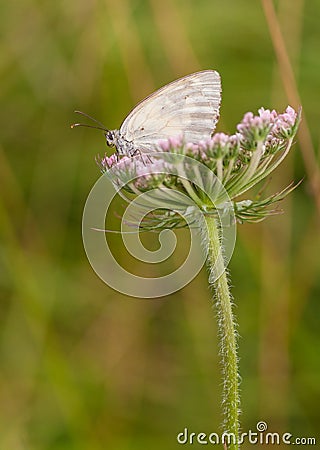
[{"x": 188, "y": 106}]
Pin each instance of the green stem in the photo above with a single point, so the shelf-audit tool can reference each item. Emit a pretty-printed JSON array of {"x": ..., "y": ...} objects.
[{"x": 227, "y": 330}]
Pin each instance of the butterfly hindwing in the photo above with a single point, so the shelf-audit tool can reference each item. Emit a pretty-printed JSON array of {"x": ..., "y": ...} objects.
[{"x": 188, "y": 106}]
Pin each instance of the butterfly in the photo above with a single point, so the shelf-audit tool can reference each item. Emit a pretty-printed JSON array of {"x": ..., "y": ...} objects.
[{"x": 188, "y": 106}]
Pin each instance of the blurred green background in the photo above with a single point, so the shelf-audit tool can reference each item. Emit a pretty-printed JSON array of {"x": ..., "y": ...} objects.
[{"x": 82, "y": 366}]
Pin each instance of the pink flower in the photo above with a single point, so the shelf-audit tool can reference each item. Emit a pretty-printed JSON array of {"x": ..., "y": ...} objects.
[
  {"x": 220, "y": 139},
  {"x": 174, "y": 142},
  {"x": 266, "y": 125},
  {"x": 285, "y": 123},
  {"x": 106, "y": 162},
  {"x": 266, "y": 115},
  {"x": 164, "y": 145},
  {"x": 192, "y": 148},
  {"x": 254, "y": 125}
]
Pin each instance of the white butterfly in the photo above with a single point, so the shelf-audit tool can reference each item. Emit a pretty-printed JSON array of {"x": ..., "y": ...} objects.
[{"x": 188, "y": 106}]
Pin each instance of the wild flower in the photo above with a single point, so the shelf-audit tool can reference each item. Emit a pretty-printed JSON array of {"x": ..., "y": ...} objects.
[
  {"x": 238, "y": 161},
  {"x": 211, "y": 175}
]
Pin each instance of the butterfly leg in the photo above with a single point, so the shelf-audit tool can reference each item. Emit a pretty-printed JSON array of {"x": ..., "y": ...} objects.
[{"x": 138, "y": 152}]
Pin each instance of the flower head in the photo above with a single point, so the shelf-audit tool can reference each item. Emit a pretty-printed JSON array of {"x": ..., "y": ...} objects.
[
  {"x": 285, "y": 124},
  {"x": 237, "y": 161},
  {"x": 106, "y": 162},
  {"x": 254, "y": 129},
  {"x": 145, "y": 173}
]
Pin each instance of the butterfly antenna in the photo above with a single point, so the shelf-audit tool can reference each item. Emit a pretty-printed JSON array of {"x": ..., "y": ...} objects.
[
  {"x": 100, "y": 127},
  {"x": 88, "y": 126}
]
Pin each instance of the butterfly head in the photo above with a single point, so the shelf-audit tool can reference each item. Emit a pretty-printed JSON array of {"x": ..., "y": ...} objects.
[{"x": 110, "y": 138}]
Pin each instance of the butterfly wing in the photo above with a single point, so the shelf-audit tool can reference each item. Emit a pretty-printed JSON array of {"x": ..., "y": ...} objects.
[{"x": 188, "y": 106}]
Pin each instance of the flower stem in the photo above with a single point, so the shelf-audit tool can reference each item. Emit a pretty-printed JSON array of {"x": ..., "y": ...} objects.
[{"x": 227, "y": 330}]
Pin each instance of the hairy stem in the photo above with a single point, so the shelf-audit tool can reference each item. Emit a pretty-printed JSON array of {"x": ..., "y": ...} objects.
[{"x": 227, "y": 331}]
